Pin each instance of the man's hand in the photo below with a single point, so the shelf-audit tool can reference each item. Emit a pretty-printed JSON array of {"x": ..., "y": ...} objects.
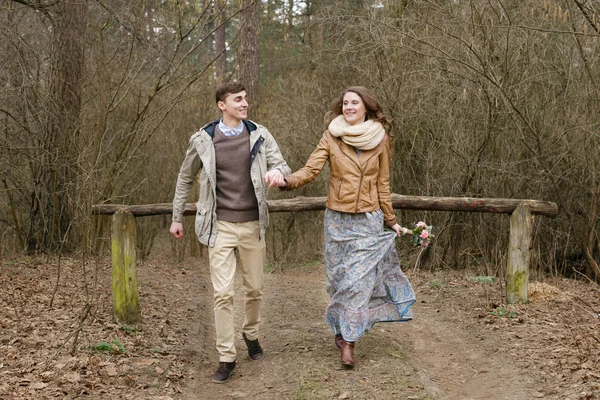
[
  {"x": 275, "y": 178},
  {"x": 176, "y": 230}
]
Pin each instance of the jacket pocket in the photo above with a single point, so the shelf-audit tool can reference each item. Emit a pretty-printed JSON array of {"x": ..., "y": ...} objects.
[
  {"x": 374, "y": 196},
  {"x": 202, "y": 224}
]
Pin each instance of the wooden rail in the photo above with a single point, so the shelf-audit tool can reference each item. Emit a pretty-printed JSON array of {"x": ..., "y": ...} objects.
[
  {"x": 125, "y": 299},
  {"x": 463, "y": 204}
]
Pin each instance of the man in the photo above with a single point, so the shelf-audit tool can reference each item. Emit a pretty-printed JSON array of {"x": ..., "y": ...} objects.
[{"x": 232, "y": 156}]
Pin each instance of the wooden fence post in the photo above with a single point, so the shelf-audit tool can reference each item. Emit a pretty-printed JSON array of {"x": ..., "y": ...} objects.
[
  {"x": 519, "y": 255},
  {"x": 124, "y": 277}
]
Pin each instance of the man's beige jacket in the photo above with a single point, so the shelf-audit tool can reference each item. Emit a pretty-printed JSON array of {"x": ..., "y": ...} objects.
[{"x": 200, "y": 157}]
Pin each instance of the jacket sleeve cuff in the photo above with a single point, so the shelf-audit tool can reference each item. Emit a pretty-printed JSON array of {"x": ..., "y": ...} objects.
[
  {"x": 291, "y": 184},
  {"x": 391, "y": 222}
]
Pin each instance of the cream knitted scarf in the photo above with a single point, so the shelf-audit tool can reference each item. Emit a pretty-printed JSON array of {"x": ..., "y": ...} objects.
[{"x": 364, "y": 136}]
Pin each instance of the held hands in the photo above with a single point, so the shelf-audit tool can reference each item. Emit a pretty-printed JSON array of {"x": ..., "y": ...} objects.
[
  {"x": 275, "y": 178},
  {"x": 176, "y": 230}
]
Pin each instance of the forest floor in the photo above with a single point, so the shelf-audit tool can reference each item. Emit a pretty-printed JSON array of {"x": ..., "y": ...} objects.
[{"x": 463, "y": 342}]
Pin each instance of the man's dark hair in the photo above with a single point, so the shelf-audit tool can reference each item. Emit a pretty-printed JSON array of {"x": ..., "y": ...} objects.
[{"x": 227, "y": 88}]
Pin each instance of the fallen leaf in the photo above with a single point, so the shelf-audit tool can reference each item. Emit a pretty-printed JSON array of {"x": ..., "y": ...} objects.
[
  {"x": 72, "y": 377},
  {"x": 144, "y": 362},
  {"x": 38, "y": 385}
]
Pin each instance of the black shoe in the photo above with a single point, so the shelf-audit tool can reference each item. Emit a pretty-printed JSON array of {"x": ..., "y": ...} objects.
[
  {"x": 255, "y": 352},
  {"x": 224, "y": 372}
]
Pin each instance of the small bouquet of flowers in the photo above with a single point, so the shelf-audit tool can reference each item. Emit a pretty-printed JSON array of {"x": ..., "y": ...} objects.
[{"x": 421, "y": 234}]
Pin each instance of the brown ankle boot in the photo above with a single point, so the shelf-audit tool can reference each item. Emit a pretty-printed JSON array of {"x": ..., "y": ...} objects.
[
  {"x": 338, "y": 341},
  {"x": 347, "y": 354}
]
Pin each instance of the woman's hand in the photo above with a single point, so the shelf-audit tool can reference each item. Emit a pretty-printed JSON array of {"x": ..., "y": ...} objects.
[{"x": 401, "y": 230}]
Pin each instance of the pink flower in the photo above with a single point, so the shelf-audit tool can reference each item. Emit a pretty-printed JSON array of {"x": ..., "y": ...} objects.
[
  {"x": 424, "y": 234},
  {"x": 421, "y": 224},
  {"x": 425, "y": 244}
]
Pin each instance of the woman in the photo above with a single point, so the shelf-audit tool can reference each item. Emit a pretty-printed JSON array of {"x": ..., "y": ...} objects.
[{"x": 364, "y": 279}]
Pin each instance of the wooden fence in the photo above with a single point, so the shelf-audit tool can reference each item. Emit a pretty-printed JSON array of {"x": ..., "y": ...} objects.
[{"x": 125, "y": 293}]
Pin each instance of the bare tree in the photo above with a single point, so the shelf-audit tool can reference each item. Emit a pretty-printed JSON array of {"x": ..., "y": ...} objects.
[
  {"x": 248, "y": 53},
  {"x": 55, "y": 171}
]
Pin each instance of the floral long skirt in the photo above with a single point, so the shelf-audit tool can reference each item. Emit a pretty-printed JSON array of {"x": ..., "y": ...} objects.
[{"x": 364, "y": 279}]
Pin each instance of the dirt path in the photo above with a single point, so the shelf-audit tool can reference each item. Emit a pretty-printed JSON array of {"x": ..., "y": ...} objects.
[
  {"x": 457, "y": 362},
  {"x": 432, "y": 357},
  {"x": 462, "y": 345}
]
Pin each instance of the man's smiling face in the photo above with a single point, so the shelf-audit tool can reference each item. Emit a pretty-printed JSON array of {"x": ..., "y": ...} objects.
[{"x": 234, "y": 107}]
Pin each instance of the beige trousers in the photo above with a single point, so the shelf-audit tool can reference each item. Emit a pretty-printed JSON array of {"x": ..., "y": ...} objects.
[{"x": 243, "y": 236}]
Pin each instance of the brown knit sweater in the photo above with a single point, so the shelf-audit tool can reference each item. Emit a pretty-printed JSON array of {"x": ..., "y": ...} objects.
[{"x": 236, "y": 200}]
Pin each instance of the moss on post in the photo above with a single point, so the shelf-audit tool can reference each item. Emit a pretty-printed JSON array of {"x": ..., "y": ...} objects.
[
  {"x": 124, "y": 276},
  {"x": 519, "y": 255}
]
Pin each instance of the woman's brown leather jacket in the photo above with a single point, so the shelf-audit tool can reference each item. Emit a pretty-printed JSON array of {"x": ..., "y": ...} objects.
[{"x": 357, "y": 184}]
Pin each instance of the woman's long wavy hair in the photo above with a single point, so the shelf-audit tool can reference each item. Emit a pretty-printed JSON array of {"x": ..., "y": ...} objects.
[{"x": 374, "y": 110}]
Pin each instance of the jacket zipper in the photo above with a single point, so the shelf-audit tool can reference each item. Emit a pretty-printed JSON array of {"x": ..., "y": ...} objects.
[
  {"x": 358, "y": 195},
  {"x": 214, "y": 202},
  {"x": 253, "y": 155}
]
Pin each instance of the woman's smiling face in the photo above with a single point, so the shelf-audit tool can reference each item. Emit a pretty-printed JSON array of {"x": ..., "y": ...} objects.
[{"x": 353, "y": 108}]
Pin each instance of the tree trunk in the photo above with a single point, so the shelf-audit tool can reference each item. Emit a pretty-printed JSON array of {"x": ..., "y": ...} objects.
[
  {"x": 220, "y": 51},
  {"x": 51, "y": 210},
  {"x": 248, "y": 54},
  {"x": 290, "y": 16}
]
